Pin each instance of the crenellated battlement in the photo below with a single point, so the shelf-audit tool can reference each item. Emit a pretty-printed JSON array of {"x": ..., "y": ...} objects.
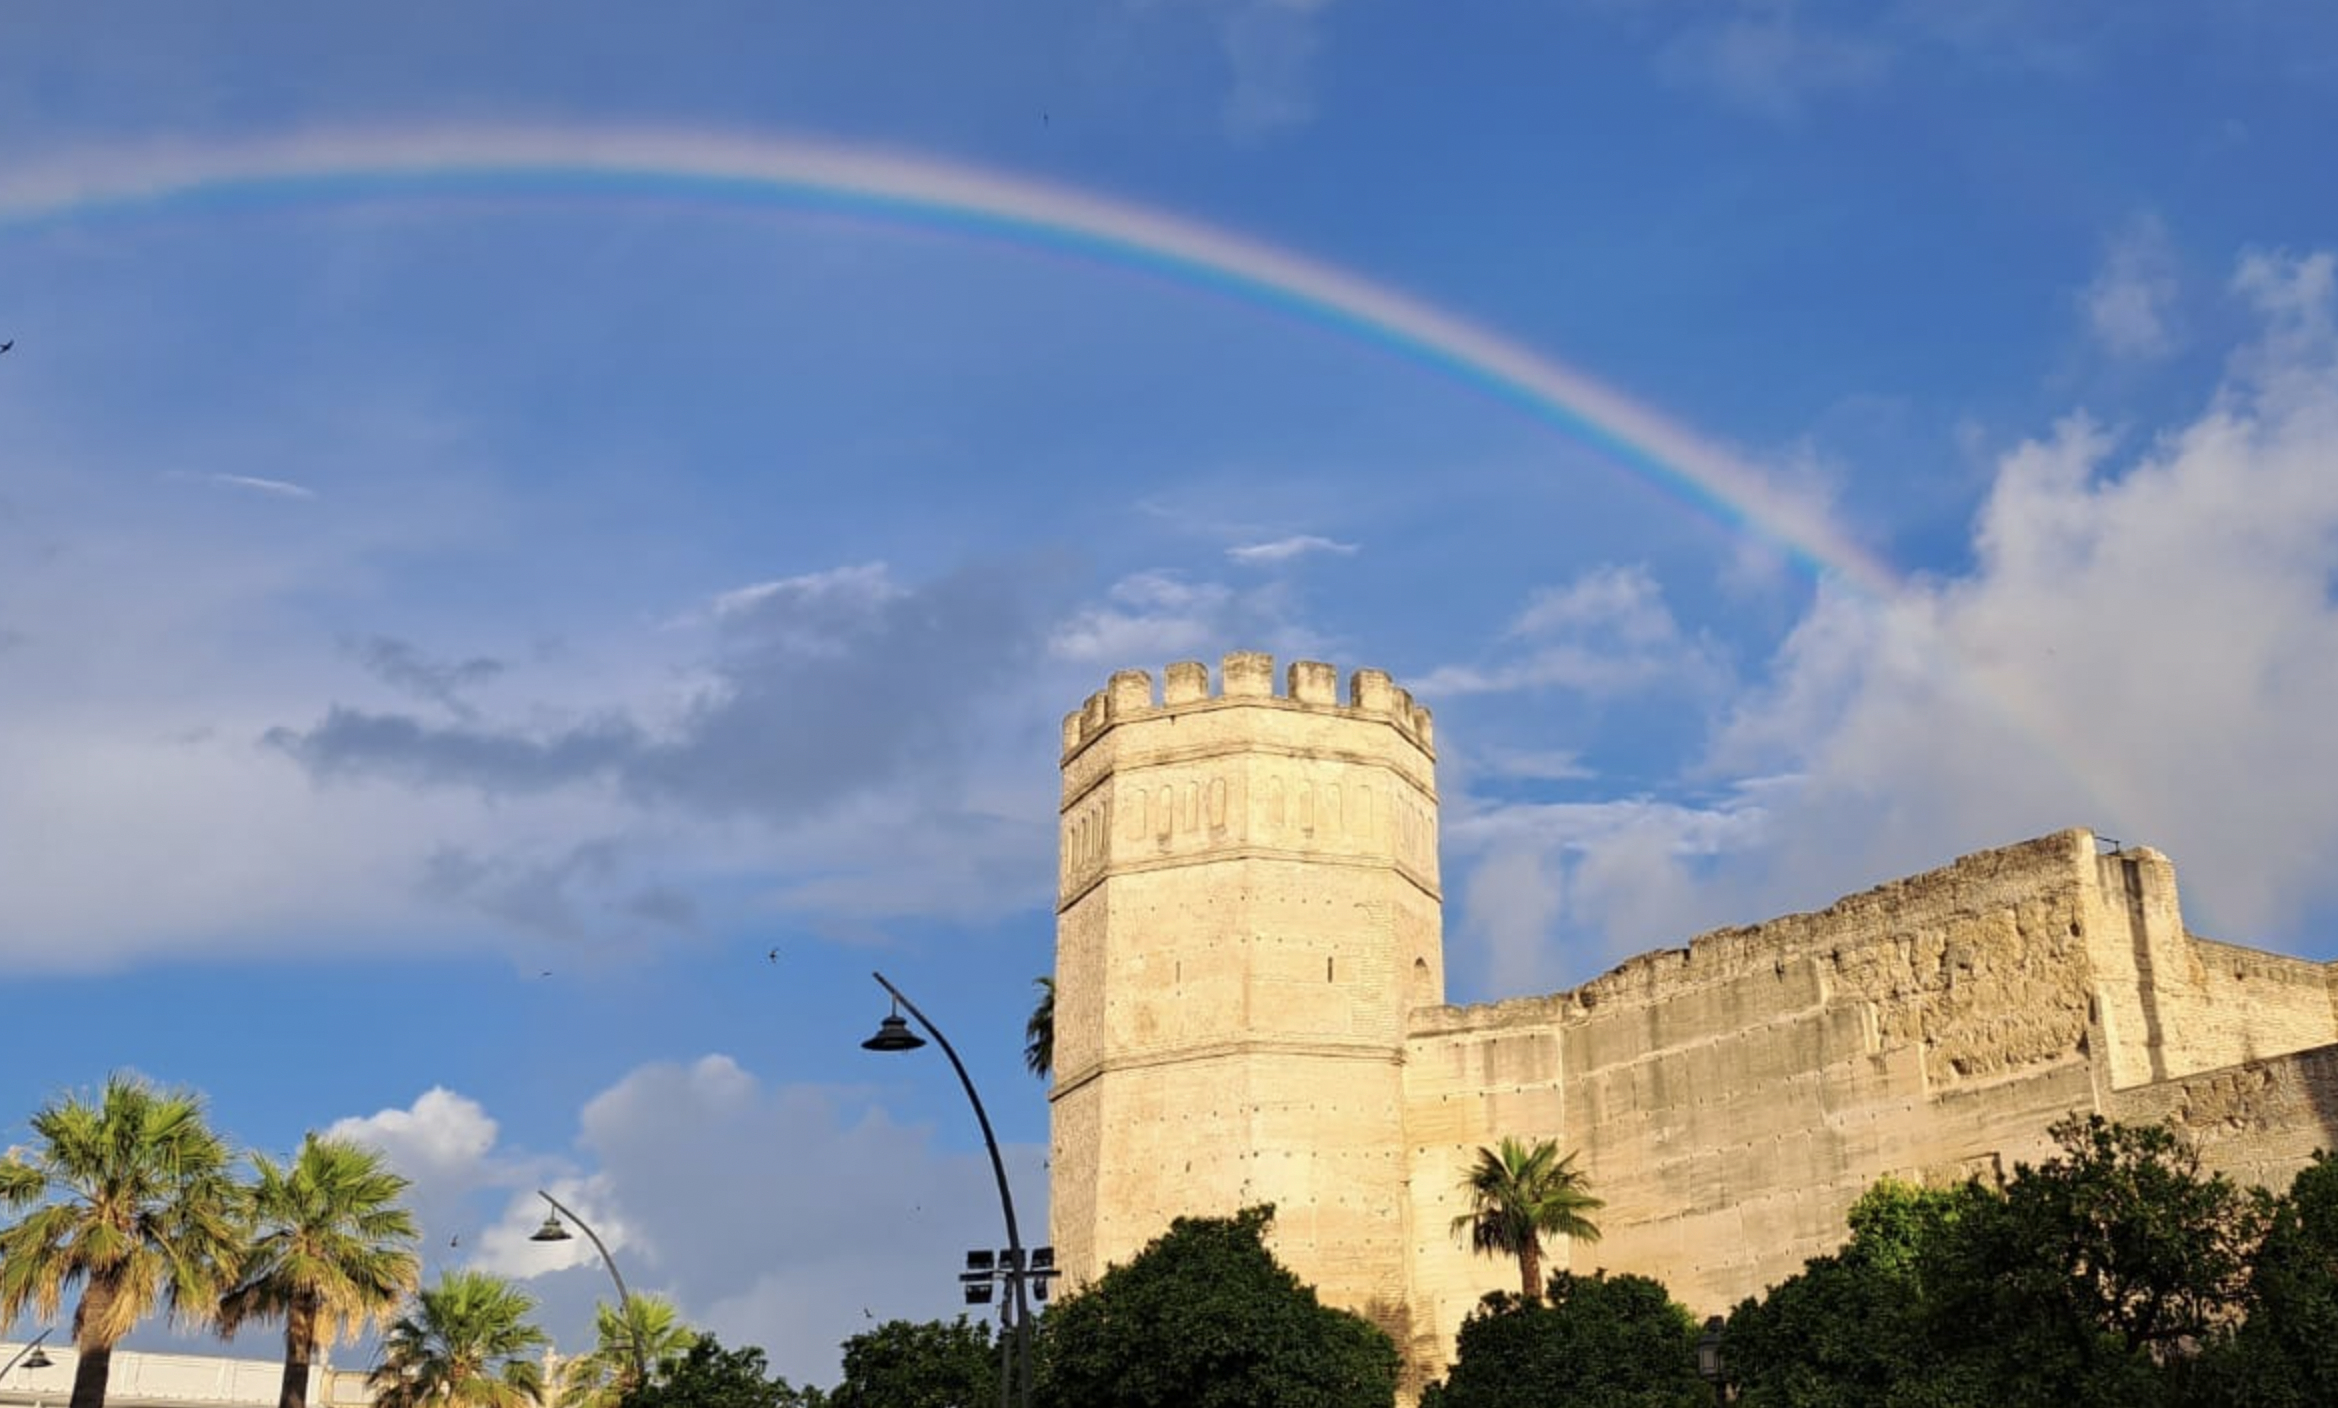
[{"x": 1246, "y": 679}]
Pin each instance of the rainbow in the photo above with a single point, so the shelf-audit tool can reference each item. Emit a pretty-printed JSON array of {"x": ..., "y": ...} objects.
[{"x": 358, "y": 164}]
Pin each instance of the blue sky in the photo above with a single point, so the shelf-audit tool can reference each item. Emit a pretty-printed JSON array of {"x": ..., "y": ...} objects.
[{"x": 453, "y": 628}]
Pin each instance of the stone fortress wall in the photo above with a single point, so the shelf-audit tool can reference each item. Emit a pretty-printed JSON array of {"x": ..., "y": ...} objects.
[{"x": 1250, "y": 1008}]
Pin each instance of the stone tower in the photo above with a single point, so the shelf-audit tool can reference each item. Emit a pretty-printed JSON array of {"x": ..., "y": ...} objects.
[{"x": 1247, "y": 909}]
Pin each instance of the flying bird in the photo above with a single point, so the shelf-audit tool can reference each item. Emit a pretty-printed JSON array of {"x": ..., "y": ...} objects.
[
  {"x": 4, "y": 346},
  {"x": 774, "y": 955}
]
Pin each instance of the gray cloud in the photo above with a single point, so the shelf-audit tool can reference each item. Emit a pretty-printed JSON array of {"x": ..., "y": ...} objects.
[
  {"x": 819, "y": 686},
  {"x": 356, "y": 742},
  {"x": 406, "y": 669},
  {"x": 580, "y": 892}
]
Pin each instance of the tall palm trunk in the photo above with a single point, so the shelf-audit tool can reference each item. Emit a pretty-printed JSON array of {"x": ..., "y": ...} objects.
[
  {"x": 1530, "y": 1270},
  {"x": 93, "y": 1356},
  {"x": 300, "y": 1345},
  {"x": 93, "y": 1363}
]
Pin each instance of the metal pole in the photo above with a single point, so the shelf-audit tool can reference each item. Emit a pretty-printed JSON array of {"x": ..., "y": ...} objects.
[
  {"x": 998, "y": 1168},
  {"x": 624, "y": 1297}
]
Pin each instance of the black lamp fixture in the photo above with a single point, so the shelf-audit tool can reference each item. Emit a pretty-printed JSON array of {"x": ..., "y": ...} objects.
[
  {"x": 1709, "y": 1366},
  {"x": 893, "y": 1034},
  {"x": 981, "y": 1270},
  {"x": 31, "y": 1356},
  {"x": 553, "y": 1230}
]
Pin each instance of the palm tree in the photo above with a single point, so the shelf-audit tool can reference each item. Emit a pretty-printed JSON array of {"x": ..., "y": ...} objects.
[
  {"x": 332, "y": 1253},
  {"x": 131, "y": 1198},
  {"x": 1039, "y": 1032},
  {"x": 1517, "y": 1193},
  {"x": 602, "y": 1378},
  {"x": 463, "y": 1343}
]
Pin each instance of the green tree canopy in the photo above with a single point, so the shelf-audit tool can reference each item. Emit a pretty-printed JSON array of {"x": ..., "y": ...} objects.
[
  {"x": 2286, "y": 1354},
  {"x": 920, "y": 1364},
  {"x": 1518, "y": 1192},
  {"x": 1850, "y": 1331},
  {"x": 1205, "y": 1317},
  {"x": 1600, "y": 1342},
  {"x": 2110, "y": 1274},
  {"x": 465, "y": 1343},
  {"x": 602, "y": 1377},
  {"x": 332, "y": 1252},
  {"x": 706, "y": 1375},
  {"x": 129, "y": 1197},
  {"x": 2101, "y": 1275}
]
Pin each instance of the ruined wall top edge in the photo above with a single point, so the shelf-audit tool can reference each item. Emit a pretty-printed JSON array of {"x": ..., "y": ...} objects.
[
  {"x": 1973, "y": 882},
  {"x": 1246, "y": 678}
]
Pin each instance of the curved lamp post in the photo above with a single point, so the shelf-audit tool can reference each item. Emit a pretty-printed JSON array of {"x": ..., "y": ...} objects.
[
  {"x": 553, "y": 1231},
  {"x": 31, "y": 1356},
  {"x": 893, "y": 1034}
]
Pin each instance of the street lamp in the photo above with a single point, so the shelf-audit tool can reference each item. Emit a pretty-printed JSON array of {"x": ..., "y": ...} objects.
[
  {"x": 1709, "y": 1365},
  {"x": 893, "y": 1034},
  {"x": 32, "y": 1356},
  {"x": 553, "y": 1231}
]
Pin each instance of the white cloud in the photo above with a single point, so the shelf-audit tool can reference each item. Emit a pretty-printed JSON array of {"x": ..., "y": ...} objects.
[
  {"x": 446, "y": 1146},
  {"x": 281, "y": 488},
  {"x": 1510, "y": 903},
  {"x": 855, "y": 591},
  {"x": 1554, "y": 892},
  {"x": 441, "y": 1133},
  {"x": 1284, "y": 549},
  {"x": 2147, "y": 644},
  {"x": 1148, "y": 617},
  {"x": 1271, "y": 48},
  {"x": 1624, "y": 601},
  {"x": 1607, "y": 633},
  {"x": 1769, "y": 59},
  {"x": 784, "y": 1216},
  {"x": 2130, "y": 305}
]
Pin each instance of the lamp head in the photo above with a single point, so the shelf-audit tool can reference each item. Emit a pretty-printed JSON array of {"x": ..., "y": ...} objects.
[
  {"x": 38, "y": 1359},
  {"x": 551, "y": 1231},
  {"x": 893, "y": 1034},
  {"x": 1709, "y": 1351}
]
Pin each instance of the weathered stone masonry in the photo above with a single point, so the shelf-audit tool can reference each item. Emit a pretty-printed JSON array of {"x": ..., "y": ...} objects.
[{"x": 1250, "y": 1008}]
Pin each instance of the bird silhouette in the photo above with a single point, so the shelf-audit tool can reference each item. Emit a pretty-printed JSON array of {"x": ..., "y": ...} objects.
[
  {"x": 774, "y": 955},
  {"x": 4, "y": 346}
]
